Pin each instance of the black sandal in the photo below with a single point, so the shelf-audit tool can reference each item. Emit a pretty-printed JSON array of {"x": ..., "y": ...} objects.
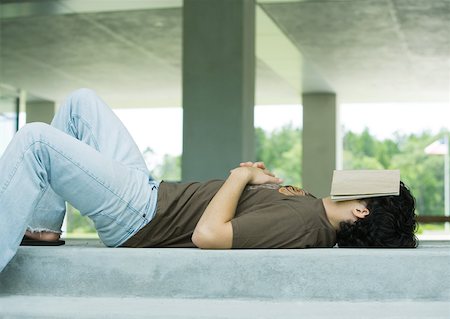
[{"x": 34, "y": 242}]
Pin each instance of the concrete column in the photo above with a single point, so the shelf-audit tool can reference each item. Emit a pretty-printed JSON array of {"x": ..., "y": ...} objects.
[
  {"x": 40, "y": 111},
  {"x": 319, "y": 142},
  {"x": 218, "y": 86}
]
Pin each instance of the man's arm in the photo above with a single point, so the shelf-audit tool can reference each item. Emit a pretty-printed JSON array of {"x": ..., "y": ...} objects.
[{"x": 214, "y": 229}]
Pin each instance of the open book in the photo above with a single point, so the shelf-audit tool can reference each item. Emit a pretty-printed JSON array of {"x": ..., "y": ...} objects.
[{"x": 356, "y": 184}]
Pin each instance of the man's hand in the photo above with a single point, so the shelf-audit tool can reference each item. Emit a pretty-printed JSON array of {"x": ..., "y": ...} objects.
[
  {"x": 255, "y": 175},
  {"x": 253, "y": 164}
]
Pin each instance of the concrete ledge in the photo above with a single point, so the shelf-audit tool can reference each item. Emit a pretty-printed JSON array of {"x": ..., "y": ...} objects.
[
  {"x": 291, "y": 275},
  {"x": 98, "y": 308}
]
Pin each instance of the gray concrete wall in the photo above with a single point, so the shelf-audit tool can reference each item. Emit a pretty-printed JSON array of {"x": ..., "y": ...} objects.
[
  {"x": 40, "y": 111},
  {"x": 319, "y": 142},
  {"x": 218, "y": 86}
]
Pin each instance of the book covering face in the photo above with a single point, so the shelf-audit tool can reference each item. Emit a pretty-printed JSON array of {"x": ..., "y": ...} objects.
[{"x": 357, "y": 184}]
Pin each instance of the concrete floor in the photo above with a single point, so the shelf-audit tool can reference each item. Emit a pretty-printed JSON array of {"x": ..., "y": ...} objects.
[
  {"x": 83, "y": 279},
  {"x": 130, "y": 308}
]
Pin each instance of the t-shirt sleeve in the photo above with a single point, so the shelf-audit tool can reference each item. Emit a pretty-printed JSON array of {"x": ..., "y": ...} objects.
[{"x": 271, "y": 227}]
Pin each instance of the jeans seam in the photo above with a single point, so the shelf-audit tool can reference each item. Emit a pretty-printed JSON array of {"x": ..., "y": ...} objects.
[
  {"x": 131, "y": 231},
  {"x": 69, "y": 159},
  {"x": 44, "y": 189},
  {"x": 113, "y": 219},
  {"x": 94, "y": 138},
  {"x": 14, "y": 170},
  {"x": 97, "y": 147}
]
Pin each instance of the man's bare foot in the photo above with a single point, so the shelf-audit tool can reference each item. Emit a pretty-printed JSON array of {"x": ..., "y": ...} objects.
[{"x": 43, "y": 235}]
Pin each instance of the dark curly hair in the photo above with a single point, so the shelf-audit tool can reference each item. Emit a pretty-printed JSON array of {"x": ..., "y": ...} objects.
[{"x": 391, "y": 223}]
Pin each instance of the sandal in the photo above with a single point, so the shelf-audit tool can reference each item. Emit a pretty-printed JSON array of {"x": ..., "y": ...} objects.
[{"x": 34, "y": 242}]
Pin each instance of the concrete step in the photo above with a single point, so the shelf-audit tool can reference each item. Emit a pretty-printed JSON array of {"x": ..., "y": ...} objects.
[
  {"x": 82, "y": 270},
  {"x": 38, "y": 307}
]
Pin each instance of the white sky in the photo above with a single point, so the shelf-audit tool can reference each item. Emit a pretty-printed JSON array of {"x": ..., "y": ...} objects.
[{"x": 385, "y": 119}]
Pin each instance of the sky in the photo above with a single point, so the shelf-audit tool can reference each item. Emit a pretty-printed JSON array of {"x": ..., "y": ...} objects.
[
  {"x": 161, "y": 128},
  {"x": 385, "y": 119}
]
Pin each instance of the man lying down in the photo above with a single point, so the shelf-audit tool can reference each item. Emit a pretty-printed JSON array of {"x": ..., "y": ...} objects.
[{"x": 87, "y": 158}]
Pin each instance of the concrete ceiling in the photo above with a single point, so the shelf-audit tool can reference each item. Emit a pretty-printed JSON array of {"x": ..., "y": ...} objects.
[
  {"x": 130, "y": 51},
  {"x": 373, "y": 50}
]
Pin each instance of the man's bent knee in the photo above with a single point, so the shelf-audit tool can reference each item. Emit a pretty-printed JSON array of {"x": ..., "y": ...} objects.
[
  {"x": 34, "y": 130},
  {"x": 82, "y": 94}
]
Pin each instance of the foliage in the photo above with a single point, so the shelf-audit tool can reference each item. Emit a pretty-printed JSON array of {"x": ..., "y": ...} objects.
[
  {"x": 364, "y": 151},
  {"x": 281, "y": 151},
  {"x": 77, "y": 223},
  {"x": 423, "y": 173},
  {"x": 169, "y": 169}
]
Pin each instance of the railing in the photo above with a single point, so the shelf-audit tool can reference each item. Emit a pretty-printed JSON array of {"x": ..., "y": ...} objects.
[{"x": 433, "y": 219}]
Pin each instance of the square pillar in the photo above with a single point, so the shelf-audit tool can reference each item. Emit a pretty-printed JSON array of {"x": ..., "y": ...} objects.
[
  {"x": 319, "y": 142},
  {"x": 40, "y": 111},
  {"x": 218, "y": 86}
]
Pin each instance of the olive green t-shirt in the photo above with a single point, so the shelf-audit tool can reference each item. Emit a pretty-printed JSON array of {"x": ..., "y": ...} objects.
[{"x": 267, "y": 216}]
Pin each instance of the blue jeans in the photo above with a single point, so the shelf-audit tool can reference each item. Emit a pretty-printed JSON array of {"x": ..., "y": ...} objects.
[{"x": 87, "y": 158}]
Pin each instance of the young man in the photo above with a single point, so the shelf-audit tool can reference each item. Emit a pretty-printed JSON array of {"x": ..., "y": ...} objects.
[{"x": 88, "y": 158}]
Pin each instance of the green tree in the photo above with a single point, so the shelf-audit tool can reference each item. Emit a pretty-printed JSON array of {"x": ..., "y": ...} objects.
[
  {"x": 281, "y": 150},
  {"x": 365, "y": 151},
  {"x": 169, "y": 169},
  {"x": 424, "y": 174},
  {"x": 76, "y": 223}
]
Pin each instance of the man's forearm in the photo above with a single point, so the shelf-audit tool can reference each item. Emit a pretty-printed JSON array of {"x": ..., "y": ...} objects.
[
  {"x": 214, "y": 229},
  {"x": 222, "y": 207}
]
